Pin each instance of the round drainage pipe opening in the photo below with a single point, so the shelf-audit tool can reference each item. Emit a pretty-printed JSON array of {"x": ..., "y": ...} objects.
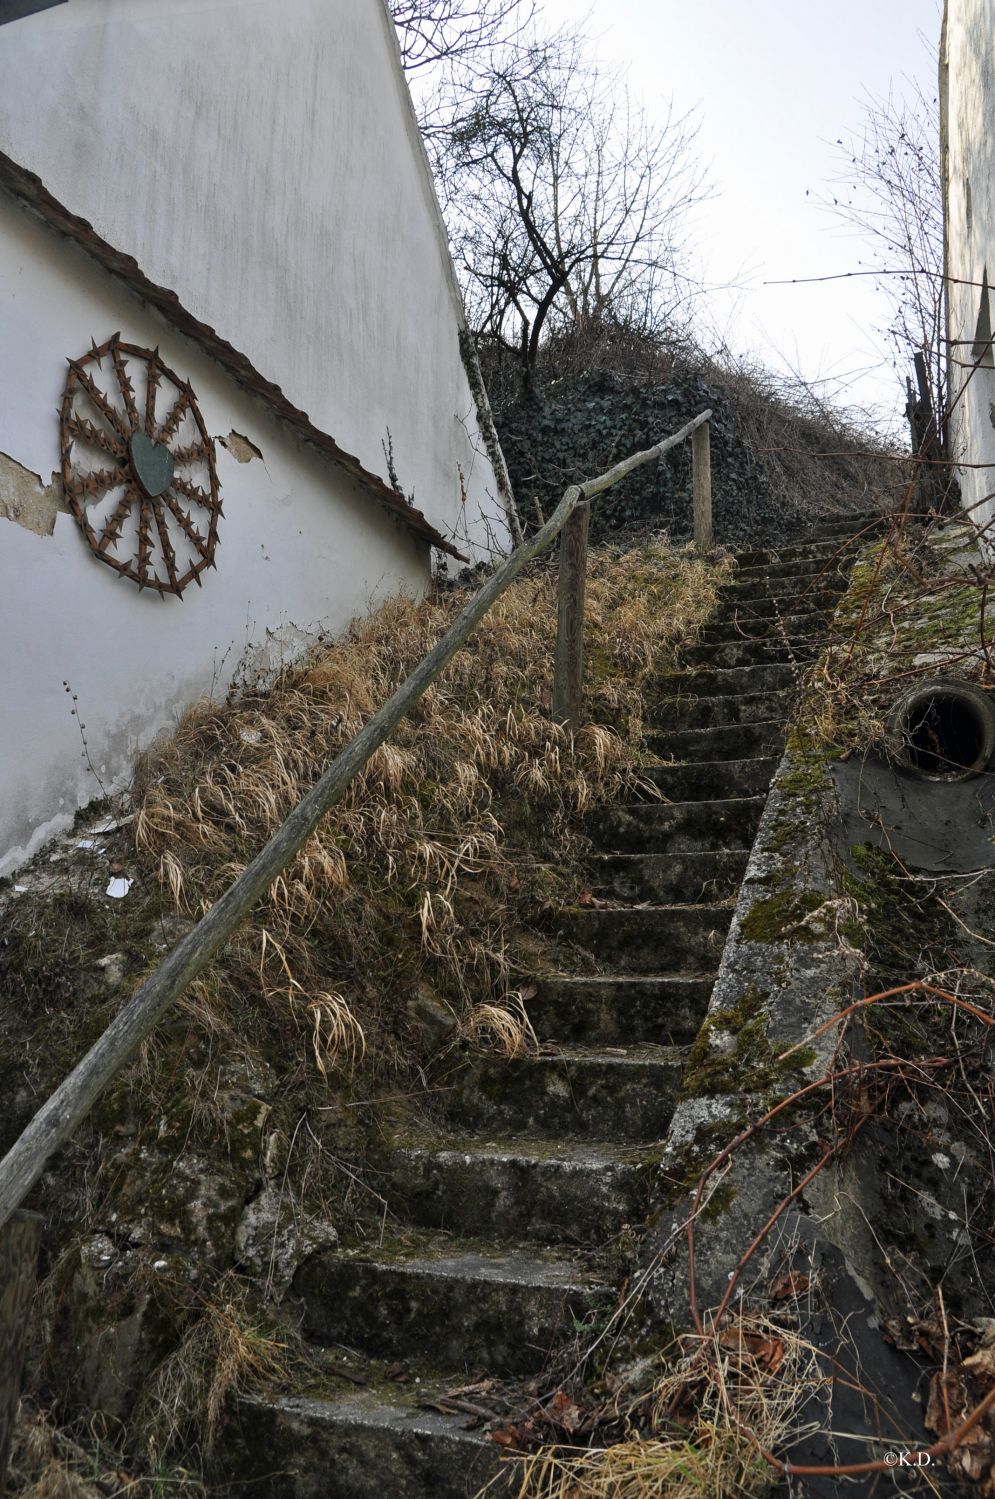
[{"x": 944, "y": 730}]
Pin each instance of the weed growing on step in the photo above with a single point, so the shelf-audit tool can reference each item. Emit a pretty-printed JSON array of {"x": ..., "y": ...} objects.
[{"x": 694, "y": 1426}]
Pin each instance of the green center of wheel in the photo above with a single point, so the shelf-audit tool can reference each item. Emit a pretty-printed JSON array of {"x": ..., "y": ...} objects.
[{"x": 151, "y": 463}]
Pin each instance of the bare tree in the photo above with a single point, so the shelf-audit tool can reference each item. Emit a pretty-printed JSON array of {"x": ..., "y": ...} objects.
[
  {"x": 892, "y": 192},
  {"x": 434, "y": 32},
  {"x": 566, "y": 206}
]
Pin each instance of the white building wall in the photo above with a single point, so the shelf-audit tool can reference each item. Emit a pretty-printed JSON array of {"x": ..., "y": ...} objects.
[
  {"x": 302, "y": 548},
  {"x": 261, "y": 160},
  {"x": 968, "y": 89}
]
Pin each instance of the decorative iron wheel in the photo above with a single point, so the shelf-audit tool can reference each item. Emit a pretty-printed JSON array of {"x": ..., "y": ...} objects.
[{"x": 143, "y": 488}]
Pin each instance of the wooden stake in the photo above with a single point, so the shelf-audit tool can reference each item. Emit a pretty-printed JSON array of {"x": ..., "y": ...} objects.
[
  {"x": 701, "y": 464},
  {"x": 20, "y": 1238},
  {"x": 568, "y": 668}
]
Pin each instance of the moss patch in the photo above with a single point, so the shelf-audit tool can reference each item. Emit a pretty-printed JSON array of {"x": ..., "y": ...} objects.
[
  {"x": 733, "y": 1054},
  {"x": 780, "y": 917}
]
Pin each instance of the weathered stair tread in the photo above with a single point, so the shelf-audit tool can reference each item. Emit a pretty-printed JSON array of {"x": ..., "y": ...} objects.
[
  {"x": 810, "y": 606},
  {"x": 608, "y": 1010},
  {"x": 689, "y": 878},
  {"x": 718, "y": 681},
  {"x": 760, "y": 736},
  {"x": 738, "y": 625},
  {"x": 726, "y": 655},
  {"x": 832, "y": 567},
  {"x": 465, "y": 1303},
  {"x": 551, "y": 1191},
  {"x": 799, "y": 551},
  {"x": 714, "y": 779},
  {"x": 624, "y": 1093},
  {"x": 582, "y": 1155},
  {"x": 652, "y": 939},
  {"x": 373, "y": 1444},
  {"x": 675, "y": 827},
  {"x": 702, "y": 712},
  {"x": 785, "y": 586},
  {"x": 443, "y": 1256}
]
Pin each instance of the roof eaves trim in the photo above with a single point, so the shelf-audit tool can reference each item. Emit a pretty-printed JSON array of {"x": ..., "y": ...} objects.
[{"x": 31, "y": 191}]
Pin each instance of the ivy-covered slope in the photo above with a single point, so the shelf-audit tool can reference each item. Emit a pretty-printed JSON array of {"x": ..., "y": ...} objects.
[{"x": 579, "y": 425}]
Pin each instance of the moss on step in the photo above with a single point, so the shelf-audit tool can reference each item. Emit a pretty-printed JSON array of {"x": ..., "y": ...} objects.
[
  {"x": 733, "y": 1053},
  {"x": 781, "y": 917}
]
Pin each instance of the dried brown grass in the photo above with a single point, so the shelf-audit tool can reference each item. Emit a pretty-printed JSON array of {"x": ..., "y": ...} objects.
[
  {"x": 223, "y": 1354},
  {"x": 697, "y": 1433},
  {"x": 49, "y": 1461},
  {"x": 458, "y": 832}
]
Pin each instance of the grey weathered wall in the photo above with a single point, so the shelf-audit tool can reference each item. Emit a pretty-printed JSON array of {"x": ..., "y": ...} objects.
[{"x": 967, "y": 69}]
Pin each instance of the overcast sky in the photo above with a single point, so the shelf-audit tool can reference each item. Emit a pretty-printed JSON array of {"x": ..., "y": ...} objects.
[{"x": 776, "y": 82}]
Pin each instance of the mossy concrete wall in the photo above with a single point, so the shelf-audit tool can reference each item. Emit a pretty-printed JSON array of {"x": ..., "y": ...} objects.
[{"x": 817, "y": 926}]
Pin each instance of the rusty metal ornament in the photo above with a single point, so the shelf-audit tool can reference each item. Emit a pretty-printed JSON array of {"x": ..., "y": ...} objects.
[{"x": 131, "y": 478}]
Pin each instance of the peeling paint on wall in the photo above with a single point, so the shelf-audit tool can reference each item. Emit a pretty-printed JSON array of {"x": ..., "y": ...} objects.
[
  {"x": 28, "y": 502},
  {"x": 239, "y": 446}
]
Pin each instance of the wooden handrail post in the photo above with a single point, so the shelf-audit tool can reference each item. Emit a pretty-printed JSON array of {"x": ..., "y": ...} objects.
[
  {"x": 701, "y": 468},
  {"x": 568, "y": 667},
  {"x": 20, "y": 1238}
]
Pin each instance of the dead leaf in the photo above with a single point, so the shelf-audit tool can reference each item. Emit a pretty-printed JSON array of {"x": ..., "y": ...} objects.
[
  {"x": 768, "y": 1352},
  {"x": 508, "y": 1436},
  {"x": 916, "y": 1335},
  {"x": 791, "y": 1284},
  {"x": 982, "y": 1363},
  {"x": 565, "y": 1413}
]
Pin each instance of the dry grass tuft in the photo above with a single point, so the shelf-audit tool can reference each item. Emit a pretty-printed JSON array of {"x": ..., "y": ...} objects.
[
  {"x": 223, "y": 1354},
  {"x": 458, "y": 831},
  {"x": 49, "y": 1461},
  {"x": 506, "y": 1027},
  {"x": 699, "y": 1430}
]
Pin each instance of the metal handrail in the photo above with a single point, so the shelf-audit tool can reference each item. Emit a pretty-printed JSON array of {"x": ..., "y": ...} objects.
[{"x": 69, "y": 1105}]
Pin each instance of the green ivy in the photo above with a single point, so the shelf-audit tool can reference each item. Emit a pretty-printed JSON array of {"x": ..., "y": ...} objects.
[{"x": 578, "y": 426}]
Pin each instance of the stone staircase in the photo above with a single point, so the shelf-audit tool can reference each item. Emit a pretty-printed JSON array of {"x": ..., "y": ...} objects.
[{"x": 510, "y": 1212}]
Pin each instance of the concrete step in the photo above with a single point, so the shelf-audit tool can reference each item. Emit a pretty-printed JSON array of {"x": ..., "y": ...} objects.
[
  {"x": 713, "y": 779},
  {"x": 625, "y": 1094},
  {"x": 665, "y": 1010},
  {"x": 764, "y": 601},
  {"x": 375, "y": 1443},
  {"x": 550, "y": 1191},
  {"x": 804, "y": 553},
  {"x": 729, "y": 654},
  {"x": 466, "y": 1305},
  {"x": 760, "y": 737},
  {"x": 717, "y": 681},
  {"x": 652, "y": 939},
  {"x": 718, "y": 712},
  {"x": 742, "y": 626},
  {"x": 675, "y": 827},
  {"x": 827, "y": 572},
  {"x": 689, "y": 879},
  {"x": 847, "y": 526}
]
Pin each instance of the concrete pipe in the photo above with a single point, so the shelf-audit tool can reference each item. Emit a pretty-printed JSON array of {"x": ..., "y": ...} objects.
[{"x": 944, "y": 730}]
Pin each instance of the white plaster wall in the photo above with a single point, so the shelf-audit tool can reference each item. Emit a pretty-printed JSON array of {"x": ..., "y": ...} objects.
[
  {"x": 260, "y": 159},
  {"x": 301, "y": 549},
  {"x": 969, "y": 68}
]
